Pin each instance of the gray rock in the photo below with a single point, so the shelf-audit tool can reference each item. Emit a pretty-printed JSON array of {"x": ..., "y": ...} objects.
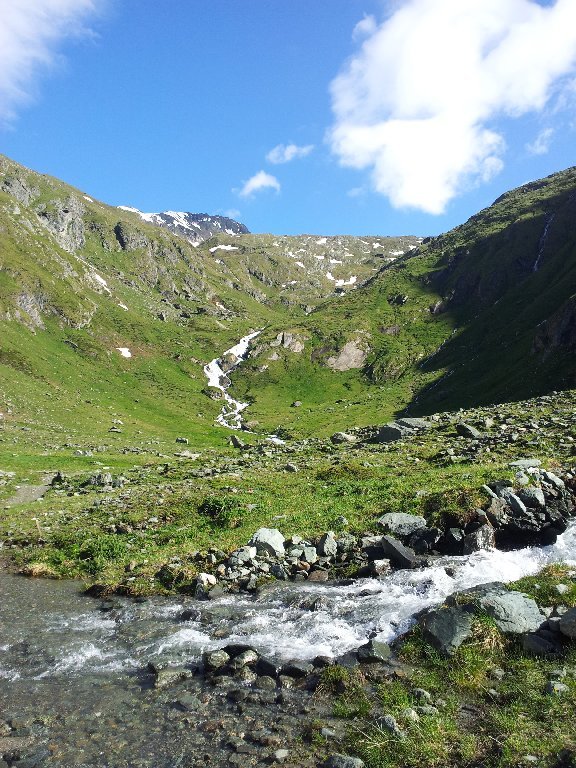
[
  {"x": 216, "y": 659},
  {"x": 236, "y": 442},
  {"x": 526, "y": 463},
  {"x": 554, "y": 688},
  {"x": 517, "y": 506},
  {"x": 399, "y": 555},
  {"x": 268, "y": 540},
  {"x": 297, "y": 669},
  {"x": 280, "y": 755},
  {"x": 343, "y": 761},
  {"x": 538, "y": 646},
  {"x": 554, "y": 480},
  {"x": 512, "y": 612},
  {"x": 170, "y": 675},
  {"x": 392, "y": 432},
  {"x": 401, "y": 524},
  {"x": 327, "y": 546},
  {"x": 374, "y": 651},
  {"x": 466, "y": 430},
  {"x": 446, "y": 628},
  {"x": 389, "y": 723},
  {"x": 342, "y": 437},
  {"x": 412, "y": 423},
  {"x": 309, "y": 555},
  {"x": 567, "y": 624},
  {"x": 532, "y": 496},
  {"x": 482, "y": 538}
]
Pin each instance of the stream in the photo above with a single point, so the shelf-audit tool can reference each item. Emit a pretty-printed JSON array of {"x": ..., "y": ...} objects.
[
  {"x": 73, "y": 669},
  {"x": 231, "y": 415}
]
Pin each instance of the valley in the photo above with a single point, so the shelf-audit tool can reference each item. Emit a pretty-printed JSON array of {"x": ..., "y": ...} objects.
[{"x": 201, "y": 432}]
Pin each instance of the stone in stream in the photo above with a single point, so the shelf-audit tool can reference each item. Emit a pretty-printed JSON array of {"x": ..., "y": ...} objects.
[
  {"x": 482, "y": 538},
  {"x": 401, "y": 556},
  {"x": 216, "y": 659},
  {"x": 400, "y": 524}
]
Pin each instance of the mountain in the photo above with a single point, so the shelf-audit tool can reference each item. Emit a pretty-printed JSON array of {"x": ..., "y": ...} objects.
[
  {"x": 355, "y": 328},
  {"x": 194, "y": 227}
]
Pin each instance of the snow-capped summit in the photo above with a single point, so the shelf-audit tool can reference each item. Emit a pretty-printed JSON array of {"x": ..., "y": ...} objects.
[{"x": 194, "y": 227}]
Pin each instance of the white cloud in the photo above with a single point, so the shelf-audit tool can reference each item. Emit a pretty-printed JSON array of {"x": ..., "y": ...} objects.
[
  {"x": 258, "y": 182},
  {"x": 284, "y": 153},
  {"x": 367, "y": 26},
  {"x": 417, "y": 103},
  {"x": 541, "y": 144},
  {"x": 30, "y": 31}
]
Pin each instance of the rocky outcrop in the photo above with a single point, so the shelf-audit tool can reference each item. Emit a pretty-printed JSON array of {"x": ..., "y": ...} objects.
[
  {"x": 64, "y": 220},
  {"x": 352, "y": 355},
  {"x": 558, "y": 332}
]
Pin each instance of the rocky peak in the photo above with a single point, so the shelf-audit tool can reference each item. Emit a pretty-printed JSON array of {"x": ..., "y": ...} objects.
[{"x": 194, "y": 227}]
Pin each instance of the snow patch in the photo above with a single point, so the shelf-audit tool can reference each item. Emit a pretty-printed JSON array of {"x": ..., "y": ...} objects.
[
  {"x": 102, "y": 282},
  {"x": 396, "y": 253},
  {"x": 299, "y": 264},
  {"x": 88, "y": 198},
  {"x": 123, "y": 306},
  {"x": 223, "y": 248},
  {"x": 322, "y": 241},
  {"x": 124, "y": 351},
  {"x": 318, "y": 256},
  {"x": 336, "y": 261},
  {"x": 130, "y": 209}
]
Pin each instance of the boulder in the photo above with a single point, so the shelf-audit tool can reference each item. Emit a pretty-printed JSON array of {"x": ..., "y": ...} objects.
[
  {"x": 391, "y": 432},
  {"x": 401, "y": 524},
  {"x": 466, "y": 430},
  {"x": 399, "y": 555},
  {"x": 342, "y": 437},
  {"x": 567, "y": 624},
  {"x": 374, "y": 651},
  {"x": 447, "y": 627},
  {"x": 513, "y": 612},
  {"x": 327, "y": 545},
  {"x": 481, "y": 538},
  {"x": 269, "y": 541},
  {"x": 411, "y": 423},
  {"x": 424, "y": 540}
]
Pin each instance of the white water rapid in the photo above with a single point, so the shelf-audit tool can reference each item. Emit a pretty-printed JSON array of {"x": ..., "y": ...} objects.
[
  {"x": 66, "y": 634},
  {"x": 231, "y": 412}
]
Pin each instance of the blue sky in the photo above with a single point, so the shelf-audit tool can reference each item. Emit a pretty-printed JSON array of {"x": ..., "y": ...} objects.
[{"x": 404, "y": 116}]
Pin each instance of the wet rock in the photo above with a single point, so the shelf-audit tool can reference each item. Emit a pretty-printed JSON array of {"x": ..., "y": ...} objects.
[
  {"x": 447, "y": 627},
  {"x": 400, "y": 524},
  {"x": 297, "y": 669},
  {"x": 167, "y": 676},
  {"x": 400, "y": 556},
  {"x": 482, "y": 538},
  {"x": 269, "y": 541},
  {"x": 424, "y": 540},
  {"x": 452, "y": 542},
  {"x": 216, "y": 659},
  {"x": 379, "y": 567},
  {"x": 244, "y": 659}
]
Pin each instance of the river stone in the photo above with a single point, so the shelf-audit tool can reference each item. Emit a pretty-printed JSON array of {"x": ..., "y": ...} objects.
[
  {"x": 268, "y": 540},
  {"x": 481, "y": 538},
  {"x": 567, "y": 624},
  {"x": 447, "y": 627},
  {"x": 512, "y": 612},
  {"x": 400, "y": 524},
  {"x": 297, "y": 668},
  {"x": 532, "y": 496},
  {"x": 374, "y": 651},
  {"x": 401, "y": 556},
  {"x": 343, "y": 761},
  {"x": 216, "y": 659},
  {"x": 516, "y": 505},
  {"x": 327, "y": 546}
]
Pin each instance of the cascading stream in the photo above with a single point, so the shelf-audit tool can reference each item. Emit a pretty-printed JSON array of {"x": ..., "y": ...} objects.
[
  {"x": 50, "y": 630},
  {"x": 230, "y": 416}
]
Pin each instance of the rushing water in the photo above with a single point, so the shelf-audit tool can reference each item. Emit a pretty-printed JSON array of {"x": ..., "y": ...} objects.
[
  {"x": 50, "y": 629},
  {"x": 73, "y": 677},
  {"x": 231, "y": 412}
]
